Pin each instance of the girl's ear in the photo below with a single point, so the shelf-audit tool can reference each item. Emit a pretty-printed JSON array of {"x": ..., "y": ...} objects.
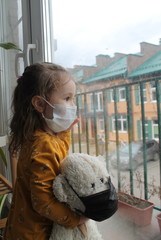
[{"x": 38, "y": 103}]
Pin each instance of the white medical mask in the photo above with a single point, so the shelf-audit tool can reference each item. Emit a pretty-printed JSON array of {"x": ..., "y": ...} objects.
[{"x": 63, "y": 117}]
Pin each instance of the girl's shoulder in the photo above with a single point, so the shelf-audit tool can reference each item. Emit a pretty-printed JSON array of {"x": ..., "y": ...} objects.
[
  {"x": 43, "y": 134},
  {"x": 45, "y": 142},
  {"x": 42, "y": 137}
]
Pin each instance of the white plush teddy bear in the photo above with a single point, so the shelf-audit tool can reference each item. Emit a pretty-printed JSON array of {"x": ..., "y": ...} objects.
[{"x": 84, "y": 184}]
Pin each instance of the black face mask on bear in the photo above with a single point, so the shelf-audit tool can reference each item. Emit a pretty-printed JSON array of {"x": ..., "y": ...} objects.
[{"x": 100, "y": 206}]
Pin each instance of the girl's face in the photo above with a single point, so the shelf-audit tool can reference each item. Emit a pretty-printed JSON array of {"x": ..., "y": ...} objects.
[{"x": 64, "y": 95}]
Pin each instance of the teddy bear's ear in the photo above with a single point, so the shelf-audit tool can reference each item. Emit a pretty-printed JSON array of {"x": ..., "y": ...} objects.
[
  {"x": 102, "y": 160},
  {"x": 64, "y": 193}
]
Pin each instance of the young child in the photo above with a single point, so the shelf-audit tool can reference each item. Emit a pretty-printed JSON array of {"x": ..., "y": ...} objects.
[{"x": 44, "y": 113}]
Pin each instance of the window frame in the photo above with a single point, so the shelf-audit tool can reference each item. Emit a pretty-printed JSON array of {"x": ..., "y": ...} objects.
[
  {"x": 98, "y": 102},
  {"x": 122, "y": 119},
  {"x": 122, "y": 89}
]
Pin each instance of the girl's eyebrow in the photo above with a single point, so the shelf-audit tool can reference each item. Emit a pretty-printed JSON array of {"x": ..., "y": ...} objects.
[{"x": 69, "y": 93}]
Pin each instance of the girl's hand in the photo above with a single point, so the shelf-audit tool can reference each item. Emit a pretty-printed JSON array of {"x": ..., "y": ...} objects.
[
  {"x": 83, "y": 220},
  {"x": 82, "y": 226},
  {"x": 83, "y": 229}
]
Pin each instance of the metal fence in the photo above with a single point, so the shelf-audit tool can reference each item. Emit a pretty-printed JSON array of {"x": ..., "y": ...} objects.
[{"x": 116, "y": 116}]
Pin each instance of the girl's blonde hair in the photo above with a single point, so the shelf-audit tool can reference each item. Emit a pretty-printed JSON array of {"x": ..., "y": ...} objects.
[{"x": 38, "y": 79}]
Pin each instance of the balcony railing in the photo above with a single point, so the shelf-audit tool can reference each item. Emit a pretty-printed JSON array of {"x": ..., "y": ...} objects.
[{"x": 120, "y": 115}]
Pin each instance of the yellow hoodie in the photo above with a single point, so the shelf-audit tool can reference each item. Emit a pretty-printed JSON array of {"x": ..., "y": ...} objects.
[{"x": 34, "y": 206}]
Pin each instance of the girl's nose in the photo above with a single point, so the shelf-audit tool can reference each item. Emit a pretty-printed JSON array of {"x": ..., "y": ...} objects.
[{"x": 73, "y": 102}]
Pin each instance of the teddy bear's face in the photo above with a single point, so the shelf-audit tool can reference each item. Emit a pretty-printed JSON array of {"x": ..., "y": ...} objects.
[
  {"x": 85, "y": 185},
  {"x": 86, "y": 174}
]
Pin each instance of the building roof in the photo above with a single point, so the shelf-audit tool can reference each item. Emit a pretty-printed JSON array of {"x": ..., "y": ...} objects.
[
  {"x": 78, "y": 75},
  {"x": 148, "y": 67},
  {"x": 114, "y": 69}
]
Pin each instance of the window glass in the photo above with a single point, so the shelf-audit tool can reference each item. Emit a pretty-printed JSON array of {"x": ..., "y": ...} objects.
[
  {"x": 96, "y": 101},
  {"x": 121, "y": 123},
  {"x": 10, "y": 31},
  {"x": 153, "y": 92},
  {"x": 122, "y": 94},
  {"x": 113, "y": 49},
  {"x": 155, "y": 129}
]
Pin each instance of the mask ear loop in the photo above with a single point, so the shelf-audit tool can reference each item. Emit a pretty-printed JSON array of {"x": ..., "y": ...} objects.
[{"x": 48, "y": 103}]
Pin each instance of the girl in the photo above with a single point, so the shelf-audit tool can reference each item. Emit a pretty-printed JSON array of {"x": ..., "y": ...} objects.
[{"x": 44, "y": 112}]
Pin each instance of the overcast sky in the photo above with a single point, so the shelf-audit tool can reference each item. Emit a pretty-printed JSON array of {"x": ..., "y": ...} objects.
[{"x": 86, "y": 28}]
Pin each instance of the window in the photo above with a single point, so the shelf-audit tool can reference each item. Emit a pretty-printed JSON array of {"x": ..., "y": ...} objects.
[
  {"x": 112, "y": 95},
  {"x": 101, "y": 125},
  {"x": 122, "y": 94},
  {"x": 121, "y": 123},
  {"x": 155, "y": 130},
  {"x": 138, "y": 94},
  {"x": 98, "y": 101},
  {"x": 114, "y": 63},
  {"x": 153, "y": 92},
  {"x": 79, "y": 99},
  {"x": 147, "y": 129},
  {"x": 144, "y": 94}
]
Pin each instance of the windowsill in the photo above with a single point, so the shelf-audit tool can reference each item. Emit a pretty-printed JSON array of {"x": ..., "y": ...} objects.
[{"x": 118, "y": 226}]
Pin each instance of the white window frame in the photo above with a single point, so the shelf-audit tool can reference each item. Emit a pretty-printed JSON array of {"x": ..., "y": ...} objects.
[
  {"x": 122, "y": 118},
  {"x": 146, "y": 129},
  {"x": 38, "y": 35},
  {"x": 120, "y": 97},
  {"x": 144, "y": 94},
  {"x": 152, "y": 90},
  {"x": 153, "y": 131},
  {"x": 112, "y": 95},
  {"x": 80, "y": 98},
  {"x": 99, "y": 101}
]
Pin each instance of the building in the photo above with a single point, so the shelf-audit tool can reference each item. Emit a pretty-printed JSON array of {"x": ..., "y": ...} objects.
[{"x": 102, "y": 94}]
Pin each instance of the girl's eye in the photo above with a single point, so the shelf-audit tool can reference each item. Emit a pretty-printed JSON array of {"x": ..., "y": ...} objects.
[{"x": 67, "y": 98}]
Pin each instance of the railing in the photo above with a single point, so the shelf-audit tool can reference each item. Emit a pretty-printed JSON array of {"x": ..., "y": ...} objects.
[{"x": 121, "y": 114}]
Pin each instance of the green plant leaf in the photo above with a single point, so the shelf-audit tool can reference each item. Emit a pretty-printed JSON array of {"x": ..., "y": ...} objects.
[
  {"x": 3, "y": 157},
  {"x": 9, "y": 45},
  {"x": 2, "y": 200}
]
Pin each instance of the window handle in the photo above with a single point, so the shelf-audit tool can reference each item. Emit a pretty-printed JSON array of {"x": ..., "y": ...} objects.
[{"x": 29, "y": 48}]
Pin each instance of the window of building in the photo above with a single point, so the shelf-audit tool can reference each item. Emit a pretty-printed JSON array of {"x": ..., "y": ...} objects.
[
  {"x": 111, "y": 95},
  {"x": 97, "y": 102},
  {"x": 122, "y": 94},
  {"x": 144, "y": 94},
  {"x": 155, "y": 129},
  {"x": 121, "y": 123},
  {"x": 138, "y": 94},
  {"x": 147, "y": 126},
  {"x": 153, "y": 92},
  {"x": 101, "y": 125},
  {"x": 79, "y": 99}
]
